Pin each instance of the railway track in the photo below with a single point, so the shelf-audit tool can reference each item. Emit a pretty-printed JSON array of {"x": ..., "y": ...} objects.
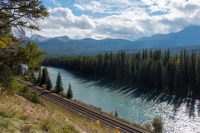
[{"x": 73, "y": 106}]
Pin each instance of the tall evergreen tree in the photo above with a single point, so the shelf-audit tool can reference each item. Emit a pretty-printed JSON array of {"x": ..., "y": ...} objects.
[
  {"x": 49, "y": 84},
  {"x": 33, "y": 78},
  {"x": 45, "y": 76},
  {"x": 59, "y": 85},
  {"x": 39, "y": 77},
  {"x": 69, "y": 92}
]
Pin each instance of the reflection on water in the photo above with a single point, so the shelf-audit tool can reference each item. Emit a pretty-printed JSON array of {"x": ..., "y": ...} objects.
[{"x": 133, "y": 104}]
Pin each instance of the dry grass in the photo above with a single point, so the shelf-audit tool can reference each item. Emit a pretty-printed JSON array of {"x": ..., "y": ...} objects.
[
  {"x": 17, "y": 114},
  {"x": 20, "y": 115},
  {"x": 83, "y": 123}
]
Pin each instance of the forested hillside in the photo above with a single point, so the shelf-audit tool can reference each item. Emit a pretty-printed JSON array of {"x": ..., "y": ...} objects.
[{"x": 175, "y": 74}]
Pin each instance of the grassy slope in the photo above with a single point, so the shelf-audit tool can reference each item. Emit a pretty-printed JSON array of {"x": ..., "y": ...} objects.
[{"x": 17, "y": 114}]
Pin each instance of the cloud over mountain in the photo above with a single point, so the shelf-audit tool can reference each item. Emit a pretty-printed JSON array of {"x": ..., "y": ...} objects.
[{"x": 125, "y": 19}]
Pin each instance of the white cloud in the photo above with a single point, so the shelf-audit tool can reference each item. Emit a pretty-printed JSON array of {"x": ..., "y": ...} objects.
[
  {"x": 106, "y": 6},
  {"x": 124, "y": 19},
  {"x": 55, "y": 2},
  {"x": 93, "y": 6},
  {"x": 64, "y": 18}
]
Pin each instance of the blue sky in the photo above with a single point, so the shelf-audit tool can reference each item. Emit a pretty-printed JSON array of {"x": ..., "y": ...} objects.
[{"x": 127, "y": 19}]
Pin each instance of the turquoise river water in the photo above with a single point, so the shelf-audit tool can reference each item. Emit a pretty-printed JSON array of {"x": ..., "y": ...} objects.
[{"x": 133, "y": 104}]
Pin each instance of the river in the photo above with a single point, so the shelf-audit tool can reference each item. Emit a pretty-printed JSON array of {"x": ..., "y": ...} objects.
[{"x": 136, "y": 105}]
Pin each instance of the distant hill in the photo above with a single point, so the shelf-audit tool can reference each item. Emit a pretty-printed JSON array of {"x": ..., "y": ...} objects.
[
  {"x": 189, "y": 37},
  {"x": 65, "y": 46}
]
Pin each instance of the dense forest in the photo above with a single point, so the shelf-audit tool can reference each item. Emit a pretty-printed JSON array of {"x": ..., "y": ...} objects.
[{"x": 156, "y": 70}]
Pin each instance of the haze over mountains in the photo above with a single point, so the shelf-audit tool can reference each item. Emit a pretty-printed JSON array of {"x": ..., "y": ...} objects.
[{"x": 63, "y": 45}]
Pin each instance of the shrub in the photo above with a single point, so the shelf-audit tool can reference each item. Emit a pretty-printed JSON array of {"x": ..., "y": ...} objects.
[
  {"x": 24, "y": 89},
  {"x": 5, "y": 77},
  {"x": 148, "y": 126},
  {"x": 117, "y": 130},
  {"x": 62, "y": 93},
  {"x": 5, "y": 123},
  {"x": 70, "y": 129},
  {"x": 45, "y": 125},
  {"x": 157, "y": 124},
  {"x": 12, "y": 86},
  {"x": 34, "y": 97},
  {"x": 5, "y": 114},
  {"x": 98, "y": 123},
  {"x": 27, "y": 78}
]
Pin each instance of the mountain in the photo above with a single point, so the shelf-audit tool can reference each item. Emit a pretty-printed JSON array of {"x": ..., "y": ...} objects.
[
  {"x": 38, "y": 38},
  {"x": 66, "y": 46},
  {"x": 188, "y": 37}
]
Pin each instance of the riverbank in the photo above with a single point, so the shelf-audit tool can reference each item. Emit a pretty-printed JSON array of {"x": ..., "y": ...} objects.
[
  {"x": 18, "y": 114},
  {"x": 120, "y": 84}
]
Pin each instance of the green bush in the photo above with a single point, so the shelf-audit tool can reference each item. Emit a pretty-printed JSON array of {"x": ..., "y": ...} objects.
[
  {"x": 5, "y": 77},
  {"x": 27, "y": 78},
  {"x": 157, "y": 124},
  {"x": 34, "y": 97},
  {"x": 31, "y": 96},
  {"x": 12, "y": 87},
  {"x": 24, "y": 89},
  {"x": 148, "y": 126}
]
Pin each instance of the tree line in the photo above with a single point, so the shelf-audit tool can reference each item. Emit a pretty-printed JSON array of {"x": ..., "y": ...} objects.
[
  {"x": 156, "y": 70},
  {"x": 43, "y": 80}
]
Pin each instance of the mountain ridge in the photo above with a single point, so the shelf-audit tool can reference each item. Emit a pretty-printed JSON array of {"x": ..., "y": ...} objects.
[{"x": 63, "y": 45}]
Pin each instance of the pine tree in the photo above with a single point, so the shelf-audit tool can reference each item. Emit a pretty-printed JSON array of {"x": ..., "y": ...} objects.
[
  {"x": 116, "y": 114},
  {"x": 25, "y": 72},
  {"x": 20, "y": 72},
  {"x": 69, "y": 92},
  {"x": 59, "y": 86},
  {"x": 39, "y": 77},
  {"x": 45, "y": 76},
  {"x": 33, "y": 78},
  {"x": 49, "y": 84}
]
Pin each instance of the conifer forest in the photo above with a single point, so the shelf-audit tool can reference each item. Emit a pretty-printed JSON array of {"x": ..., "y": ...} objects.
[{"x": 152, "y": 69}]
